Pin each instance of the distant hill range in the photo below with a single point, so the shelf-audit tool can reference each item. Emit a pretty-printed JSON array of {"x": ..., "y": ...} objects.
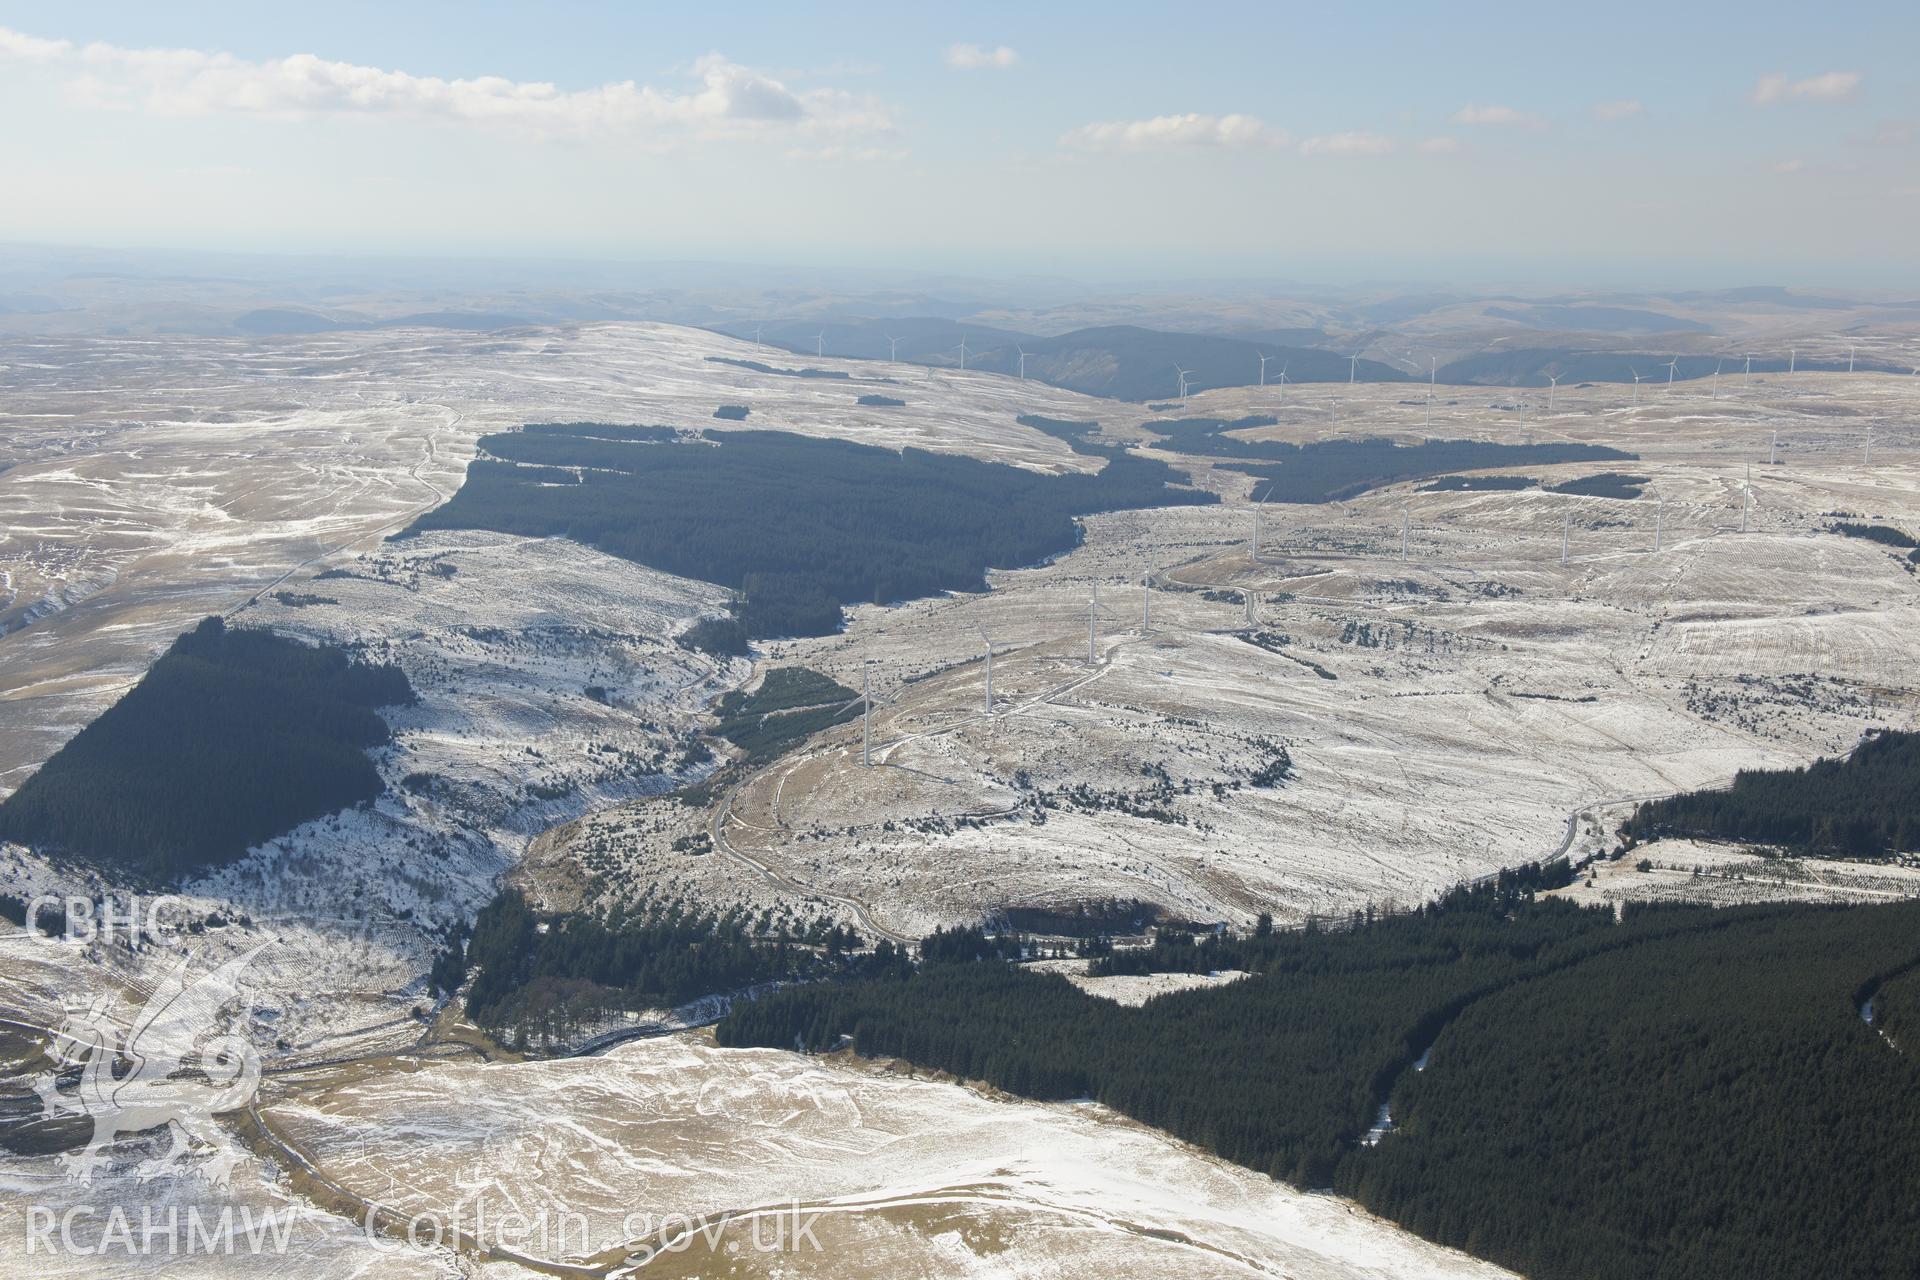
[
  {"x": 1119, "y": 362},
  {"x": 289, "y": 320},
  {"x": 1134, "y": 363},
  {"x": 1530, "y": 367},
  {"x": 1592, "y": 319},
  {"x": 1126, "y": 362}
]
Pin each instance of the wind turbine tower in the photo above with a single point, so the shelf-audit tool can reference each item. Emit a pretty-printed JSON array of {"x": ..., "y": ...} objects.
[
  {"x": 1659, "y": 521},
  {"x": 866, "y": 722},
  {"x": 1264, "y": 357},
  {"x": 756, "y": 333},
  {"x": 820, "y": 344},
  {"x": 1146, "y": 602},
  {"x": 1553, "y": 388},
  {"x": 963, "y": 352},
  {"x": 1093, "y": 625},
  {"x": 1353, "y": 368},
  {"x": 1566, "y": 535},
  {"x": 1849, "y": 357},
  {"x": 1673, "y": 367},
  {"x": 1023, "y": 364},
  {"x": 893, "y": 350},
  {"x": 1406, "y": 532},
  {"x": 1636, "y": 386},
  {"x": 1793, "y": 359},
  {"x": 1746, "y": 500},
  {"x": 989, "y": 644},
  {"x": 1182, "y": 374}
]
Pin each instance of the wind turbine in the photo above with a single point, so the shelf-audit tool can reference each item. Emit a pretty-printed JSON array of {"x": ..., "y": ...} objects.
[
  {"x": 820, "y": 344},
  {"x": 1405, "y": 532},
  {"x": 989, "y": 643},
  {"x": 866, "y": 721},
  {"x": 1716, "y": 376},
  {"x": 756, "y": 334},
  {"x": 1264, "y": 357},
  {"x": 1746, "y": 375},
  {"x": 1257, "y": 504},
  {"x": 1283, "y": 381},
  {"x": 893, "y": 349},
  {"x": 1093, "y": 625},
  {"x": 1023, "y": 364},
  {"x": 1553, "y": 385},
  {"x": 1183, "y": 380},
  {"x": 963, "y": 352},
  {"x": 1146, "y": 602},
  {"x": 1659, "y": 521},
  {"x": 1636, "y": 383},
  {"x": 1566, "y": 533},
  {"x": 1773, "y": 450},
  {"x": 1793, "y": 359},
  {"x": 1849, "y": 357},
  {"x": 1353, "y": 367},
  {"x": 1746, "y": 500},
  {"x": 1673, "y": 367}
]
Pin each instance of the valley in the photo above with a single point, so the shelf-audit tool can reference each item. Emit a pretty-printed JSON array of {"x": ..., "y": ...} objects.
[{"x": 1403, "y": 690}]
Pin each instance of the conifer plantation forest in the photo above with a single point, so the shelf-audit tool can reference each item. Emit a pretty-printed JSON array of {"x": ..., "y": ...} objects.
[
  {"x": 1335, "y": 470},
  {"x": 800, "y": 526},
  {"x": 655, "y": 955},
  {"x": 234, "y": 736},
  {"x": 1861, "y": 806},
  {"x": 1682, "y": 1094}
]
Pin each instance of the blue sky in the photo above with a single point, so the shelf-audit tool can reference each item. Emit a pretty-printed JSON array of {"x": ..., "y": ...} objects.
[{"x": 1655, "y": 144}]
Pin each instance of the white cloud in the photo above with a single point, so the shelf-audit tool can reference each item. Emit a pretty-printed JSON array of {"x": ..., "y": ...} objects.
[
  {"x": 1619, "y": 109},
  {"x": 1790, "y": 166},
  {"x": 14, "y": 44},
  {"x": 1189, "y": 130},
  {"x": 1440, "y": 146},
  {"x": 1828, "y": 85},
  {"x": 729, "y": 101},
  {"x": 1476, "y": 114},
  {"x": 1351, "y": 143},
  {"x": 973, "y": 57}
]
